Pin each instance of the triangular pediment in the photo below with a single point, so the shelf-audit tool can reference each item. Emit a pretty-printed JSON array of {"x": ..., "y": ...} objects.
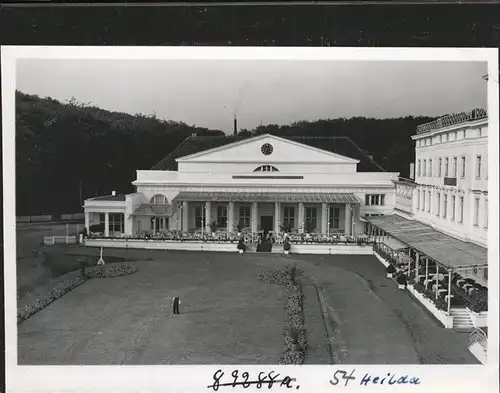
[{"x": 269, "y": 149}]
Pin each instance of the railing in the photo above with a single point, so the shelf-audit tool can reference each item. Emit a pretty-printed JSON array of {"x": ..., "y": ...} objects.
[
  {"x": 450, "y": 181},
  {"x": 456, "y": 118},
  {"x": 478, "y": 336},
  {"x": 51, "y": 240}
]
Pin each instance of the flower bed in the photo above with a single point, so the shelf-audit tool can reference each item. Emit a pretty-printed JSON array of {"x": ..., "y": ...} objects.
[
  {"x": 111, "y": 270},
  {"x": 295, "y": 339},
  {"x": 42, "y": 302}
]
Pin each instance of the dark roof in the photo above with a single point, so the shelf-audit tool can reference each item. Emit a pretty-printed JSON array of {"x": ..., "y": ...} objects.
[
  {"x": 446, "y": 250},
  {"x": 340, "y": 145},
  {"x": 120, "y": 197}
]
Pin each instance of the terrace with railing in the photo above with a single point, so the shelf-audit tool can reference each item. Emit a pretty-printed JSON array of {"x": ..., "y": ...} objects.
[{"x": 453, "y": 119}]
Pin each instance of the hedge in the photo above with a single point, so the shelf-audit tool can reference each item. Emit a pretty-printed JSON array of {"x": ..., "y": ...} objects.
[
  {"x": 295, "y": 339},
  {"x": 111, "y": 270},
  {"x": 42, "y": 302}
]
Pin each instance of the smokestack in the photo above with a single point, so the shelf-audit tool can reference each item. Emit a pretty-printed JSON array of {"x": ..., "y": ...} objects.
[{"x": 235, "y": 132}]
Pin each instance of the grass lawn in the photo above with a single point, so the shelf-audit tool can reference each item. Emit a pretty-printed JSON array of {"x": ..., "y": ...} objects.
[{"x": 227, "y": 316}]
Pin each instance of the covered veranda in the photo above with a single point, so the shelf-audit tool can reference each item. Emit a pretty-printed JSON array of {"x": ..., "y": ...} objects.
[
  {"x": 320, "y": 213},
  {"x": 448, "y": 256}
]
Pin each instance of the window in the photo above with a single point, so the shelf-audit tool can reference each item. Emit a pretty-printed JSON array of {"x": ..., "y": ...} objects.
[
  {"x": 478, "y": 167},
  {"x": 423, "y": 200},
  {"x": 375, "y": 199},
  {"x": 266, "y": 168},
  {"x": 244, "y": 217},
  {"x": 455, "y": 166},
  {"x": 159, "y": 199},
  {"x": 199, "y": 218},
  {"x": 476, "y": 212},
  {"x": 446, "y": 164},
  {"x": 485, "y": 273},
  {"x": 311, "y": 219},
  {"x": 438, "y": 204},
  {"x": 418, "y": 199},
  {"x": 447, "y": 136},
  {"x": 480, "y": 132},
  {"x": 456, "y": 136},
  {"x": 453, "y": 205},
  {"x": 334, "y": 218},
  {"x": 441, "y": 138},
  {"x": 102, "y": 218},
  {"x": 289, "y": 216},
  {"x": 461, "y": 209},
  {"x": 440, "y": 163},
  {"x": 464, "y": 134},
  {"x": 419, "y": 168},
  {"x": 430, "y": 168},
  {"x": 485, "y": 214},
  {"x": 222, "y": 216},
  {"x": 429, "y": 204},
  {"x": 445, "y": 206},
  {"x": 425, "y": 168},
  {"x": 463, "y": 167},
  {"x": 116, "y": 223}
]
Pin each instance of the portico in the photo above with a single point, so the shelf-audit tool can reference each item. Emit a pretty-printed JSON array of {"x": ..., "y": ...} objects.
[{"x": 277, "y": 212}]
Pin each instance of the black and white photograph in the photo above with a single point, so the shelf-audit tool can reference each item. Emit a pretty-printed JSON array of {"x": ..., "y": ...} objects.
[{"x": 239, "y": 210}]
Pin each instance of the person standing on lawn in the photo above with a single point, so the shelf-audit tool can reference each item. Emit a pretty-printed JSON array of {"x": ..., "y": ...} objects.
[{"x": 175, "y": 304}]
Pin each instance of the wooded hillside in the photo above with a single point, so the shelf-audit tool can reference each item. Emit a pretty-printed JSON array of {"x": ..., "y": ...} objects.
[{"x": 66, "y": 152}]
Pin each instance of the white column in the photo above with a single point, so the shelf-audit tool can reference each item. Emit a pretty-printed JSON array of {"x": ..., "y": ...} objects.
[
  {"x": 300, "y": 223},
  {"x": 324, "y": 218},
  {"x": 106, "y": 224},
  {"x": 255, "y": 215},
  {"x": 208, "y": 216},
  {"x": 277, "y": 218},
  {"x": 449, "y": 290},
  {"x": 347, "y": 217},
  {"x": 185, "y": 215},
  {"x": 87, "y": 222},
  {"x": 354, "y": 211},
  {"x": 230, "y": 217}
]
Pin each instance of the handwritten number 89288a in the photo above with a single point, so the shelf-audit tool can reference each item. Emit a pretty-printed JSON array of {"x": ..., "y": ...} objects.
[{"x": 263, "y": 379}]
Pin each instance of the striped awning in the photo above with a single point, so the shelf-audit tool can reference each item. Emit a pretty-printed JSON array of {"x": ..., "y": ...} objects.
[
  {"x": 445, "y": 250},
  {"x": 151, "y": 209},
  {"x": 289, "y": 197}
]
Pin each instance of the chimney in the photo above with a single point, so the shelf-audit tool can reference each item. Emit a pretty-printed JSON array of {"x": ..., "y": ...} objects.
[
  {"x": 235, "y": 126},
  {"x": 113, "y": 193}
]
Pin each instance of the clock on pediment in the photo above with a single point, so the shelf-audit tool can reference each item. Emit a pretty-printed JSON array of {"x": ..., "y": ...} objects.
[{"x": 266, "y": 149}]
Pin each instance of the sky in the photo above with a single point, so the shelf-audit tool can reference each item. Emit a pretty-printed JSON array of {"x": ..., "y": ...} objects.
[{"x": 207, "y": 93}]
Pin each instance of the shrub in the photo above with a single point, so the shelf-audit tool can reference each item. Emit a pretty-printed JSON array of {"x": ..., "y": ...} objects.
[
  {"x": 390, "y": 269},
  {"x": 286, "y": 246},
  {"x": 111, "y": 270},
  {"x": 401, "y": 279},
  {"x": 60, "y": 290},
  {"x": 241, "y": 246},
  {"x": 480, "y": 301},
  {"x": 273, "y": 276}
]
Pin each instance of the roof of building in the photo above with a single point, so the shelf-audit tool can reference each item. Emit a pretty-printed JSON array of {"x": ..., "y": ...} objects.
[
  {"x": 453, "y": 119},
  {"x": 446, "y": 250},
  {"x": 120, "y": 197},
  {"x": 268, "y": 197},
  {"x": 339, "y": 145}
]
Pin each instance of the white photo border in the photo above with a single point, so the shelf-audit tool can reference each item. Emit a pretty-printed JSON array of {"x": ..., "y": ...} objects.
[{"x": 438, "y": 378}]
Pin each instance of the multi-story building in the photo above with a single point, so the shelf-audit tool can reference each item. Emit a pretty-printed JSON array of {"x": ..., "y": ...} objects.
[
  {"x": 451, "y": 165},
  {"x": 450, "y": 187}
]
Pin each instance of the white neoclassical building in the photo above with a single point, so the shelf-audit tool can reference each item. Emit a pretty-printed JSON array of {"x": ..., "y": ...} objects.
[
  {"x": 263, "y": 183},
  {"x": 446, "y": 202}
]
